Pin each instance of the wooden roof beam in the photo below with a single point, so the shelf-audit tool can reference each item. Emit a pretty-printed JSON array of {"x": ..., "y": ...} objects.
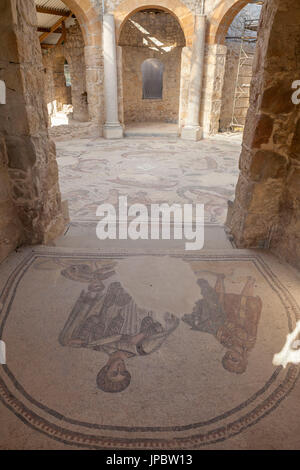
[
  {"x": 63, "y": 34},
  {"x": 48, "y": 46},
  {"x": 41, "y": 29},
  {"x": 54, "y": 27}
]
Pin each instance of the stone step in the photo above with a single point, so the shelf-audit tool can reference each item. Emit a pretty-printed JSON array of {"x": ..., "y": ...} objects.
[
  {"x": 83, "y": 235},
  {"x": 157, "y": 129}
]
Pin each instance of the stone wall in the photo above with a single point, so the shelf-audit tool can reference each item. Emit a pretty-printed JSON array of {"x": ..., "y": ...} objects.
[
  {"x": 213, "y": 78},
  {"x": 94, "y": 82},
  {"x": 30, "y": 204},
  {"x": 11, "y": 230},
  {"x": 57, "y": 93},
  {"x": 266, "y": 210},
  {"x": 151, "y": 35},
  {"x": 110, "y": 5},
  {"x": 230, "y": 76}
]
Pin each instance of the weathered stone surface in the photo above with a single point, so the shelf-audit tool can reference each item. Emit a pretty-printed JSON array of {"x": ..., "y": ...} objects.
[
  {"x": 20, "y": 151},
  {"x": 3, "y": 153},
  {"x": 295, "y": 147},
  {"x": 266, "y": 164},
  {"x": 263, "y": 130},
  {"x": 273, "y": 209},
  {"x": 29, "y": 210},
  {"x": 277, "y": 99}
]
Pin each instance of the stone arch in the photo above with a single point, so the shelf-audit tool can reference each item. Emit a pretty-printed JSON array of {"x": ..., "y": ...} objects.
[
  {"x": 155, "y": 35},
  {"x": 88, "y": 19},
  {"x": 266, "y": 210},
  {"x": 221, "y": 18},
  {"x": 182, "y": 13}
]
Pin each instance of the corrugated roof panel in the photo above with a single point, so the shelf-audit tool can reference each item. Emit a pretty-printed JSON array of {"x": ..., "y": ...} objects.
[
  {"x": 47, "y": 21},
  {"x": 57, "y": 4},
  {"x": 53, "y": 38}
]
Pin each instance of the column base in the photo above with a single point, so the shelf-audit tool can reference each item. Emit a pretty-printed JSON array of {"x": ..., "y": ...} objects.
[
  {"x": 193, "y": 133},
  {"x": 113, "y": 132}
]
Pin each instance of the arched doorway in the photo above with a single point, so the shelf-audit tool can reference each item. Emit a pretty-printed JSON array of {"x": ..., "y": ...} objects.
[{"x": 148, "y": 38}]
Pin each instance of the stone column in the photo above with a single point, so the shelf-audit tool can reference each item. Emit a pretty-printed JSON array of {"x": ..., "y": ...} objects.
[
  {"x": 186, "y": 55},
  {"x": 192, "y": 129},
  {"x": 112, "y": 127}
]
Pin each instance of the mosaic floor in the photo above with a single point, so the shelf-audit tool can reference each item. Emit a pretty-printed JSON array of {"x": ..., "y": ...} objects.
[
  {"x": 124, "y": 360},
  {"x": 93, "y": 171},
  {"x": 147, "y": 346}
]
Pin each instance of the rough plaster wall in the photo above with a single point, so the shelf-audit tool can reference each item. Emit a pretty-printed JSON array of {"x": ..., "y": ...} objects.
[
  {"x": 30, "y": 204},
  {"x": 228, "y": 93},
  {"x": 138, "y": 46}
]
